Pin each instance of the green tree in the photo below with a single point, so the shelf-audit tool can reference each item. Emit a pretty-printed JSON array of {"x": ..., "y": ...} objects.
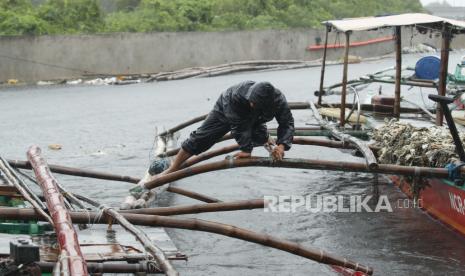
[
  {"x": 17, "y": 17},
  {"x": 72, "y": 16},
  {"x": 84, "y": 16}
]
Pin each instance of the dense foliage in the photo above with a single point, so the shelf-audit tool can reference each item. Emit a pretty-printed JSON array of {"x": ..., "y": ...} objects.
[{"x": 92, "y": 16}]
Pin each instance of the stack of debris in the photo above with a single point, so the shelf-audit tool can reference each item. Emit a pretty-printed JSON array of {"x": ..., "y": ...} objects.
[
  {"x": 403, "y": 144},
  {"x": 234, "y": 67}
]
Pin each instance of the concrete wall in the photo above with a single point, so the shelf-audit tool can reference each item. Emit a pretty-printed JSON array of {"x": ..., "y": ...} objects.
[{"x": 57, "y": 57}]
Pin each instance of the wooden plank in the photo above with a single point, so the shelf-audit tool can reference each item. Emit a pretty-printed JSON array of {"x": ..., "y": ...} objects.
[{"x": 9, "y": 191}]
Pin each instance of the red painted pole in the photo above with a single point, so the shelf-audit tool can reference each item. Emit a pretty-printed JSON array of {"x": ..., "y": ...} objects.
[{"x": 66, "y": 235}]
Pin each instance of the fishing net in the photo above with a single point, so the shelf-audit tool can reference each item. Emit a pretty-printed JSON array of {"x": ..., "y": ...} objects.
[
  {"x": 159, "y": 165},
  {"x": 403, "y": 144}
]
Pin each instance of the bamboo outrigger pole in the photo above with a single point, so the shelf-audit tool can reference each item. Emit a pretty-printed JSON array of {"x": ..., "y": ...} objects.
[
  {"x": 319, "y": 131},
  {"x": 26, "y": 193},
  {"x": 108, "y": 176},
  {"x": 370, "y": 158},
  {"x": 99, "y": 268},
  {"x": 297, "y": 164},
  {"x": 323, "y": 65},
  {"x": 191, "y": 194},
  {"x": 160, "y": 257},
  {"x": 292, "y": 106},
  {"x": 190, "y": 162},
  {"x": 184, "y": 124},
  {"x": 342, "y": 119},
  {"x": 445, "y": 48},
  {"x": 71, "y": 255},
  {"x": 68, "y": 240},
  {"x": 76, "y": 172},
  {"x": 314, "y": 254},
  {"x": 398, "y": 37},
  {"x": 201, "y": 208}
]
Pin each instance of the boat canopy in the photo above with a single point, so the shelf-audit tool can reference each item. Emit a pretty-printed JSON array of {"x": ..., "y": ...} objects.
[{"x": 407, "y": 19}]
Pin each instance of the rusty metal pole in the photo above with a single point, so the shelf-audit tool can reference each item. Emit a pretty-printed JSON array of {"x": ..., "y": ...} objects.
[
  {"x": 342, "y": 119},
  {"x": 66, "y": 235},
  {"x": 323, "y": 65},
  {"x": 398, "y": 36},
  {"x": 446, "y": 38}
]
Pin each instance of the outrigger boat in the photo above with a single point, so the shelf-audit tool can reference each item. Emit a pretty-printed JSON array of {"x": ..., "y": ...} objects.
[{"x": 443, "y": 198}]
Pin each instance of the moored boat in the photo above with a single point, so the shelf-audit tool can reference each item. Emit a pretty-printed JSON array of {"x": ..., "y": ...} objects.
[{"x": 442, "y": 198}]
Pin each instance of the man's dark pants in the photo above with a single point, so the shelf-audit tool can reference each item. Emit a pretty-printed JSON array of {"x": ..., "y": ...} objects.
[{"x": 213, "y": 129}]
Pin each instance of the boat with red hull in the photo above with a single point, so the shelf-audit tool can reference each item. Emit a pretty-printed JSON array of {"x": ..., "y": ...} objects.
[{"x": 441, "y": 198}]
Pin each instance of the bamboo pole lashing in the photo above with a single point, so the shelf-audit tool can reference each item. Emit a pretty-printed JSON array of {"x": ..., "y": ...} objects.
[{"x": 205, "y": 226}]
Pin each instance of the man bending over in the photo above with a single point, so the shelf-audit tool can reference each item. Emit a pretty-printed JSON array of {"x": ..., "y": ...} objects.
[{"x": 242, "y": 109}]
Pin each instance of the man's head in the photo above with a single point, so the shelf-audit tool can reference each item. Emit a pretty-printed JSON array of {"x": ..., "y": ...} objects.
[{"x": 261, "y": 95}]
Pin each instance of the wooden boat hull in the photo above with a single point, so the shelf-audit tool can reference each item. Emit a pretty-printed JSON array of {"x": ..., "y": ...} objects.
[{"x": 441, "y": 199}]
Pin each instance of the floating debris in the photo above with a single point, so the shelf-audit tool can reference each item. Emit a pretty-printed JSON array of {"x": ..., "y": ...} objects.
[
  {"x": 55, "y": 146},
  {"x": 233, "y": 67},
  {"x": 46, "y": 83},
  {"x": 419, "y": 48},
  {"x": 403, "y": 144},
  {"x": 352, "y": 59},
  {"x": 74, "y": 82}
]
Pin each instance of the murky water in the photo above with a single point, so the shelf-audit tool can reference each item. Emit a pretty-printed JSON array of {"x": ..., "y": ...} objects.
[{"x": 111, "y": 128}]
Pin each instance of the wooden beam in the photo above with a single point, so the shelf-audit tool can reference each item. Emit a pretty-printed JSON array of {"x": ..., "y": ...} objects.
[
  {"x": 323, "y": 65},
  {"x": 446, "y": 38},
  {"x": 344, "y": 81},
  {"x": 398, "y": 36}
]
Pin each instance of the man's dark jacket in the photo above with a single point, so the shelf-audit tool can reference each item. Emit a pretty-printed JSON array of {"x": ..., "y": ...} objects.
[{"x": 233, "y": 108}]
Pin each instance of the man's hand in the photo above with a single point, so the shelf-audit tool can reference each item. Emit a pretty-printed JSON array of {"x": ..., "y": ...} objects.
[
  {"x": 278, "y": 153},
  {"x": 242, "y": 154}
]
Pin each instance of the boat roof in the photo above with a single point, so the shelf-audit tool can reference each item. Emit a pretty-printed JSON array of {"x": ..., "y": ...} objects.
[{"x": 406, "y": 19}]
